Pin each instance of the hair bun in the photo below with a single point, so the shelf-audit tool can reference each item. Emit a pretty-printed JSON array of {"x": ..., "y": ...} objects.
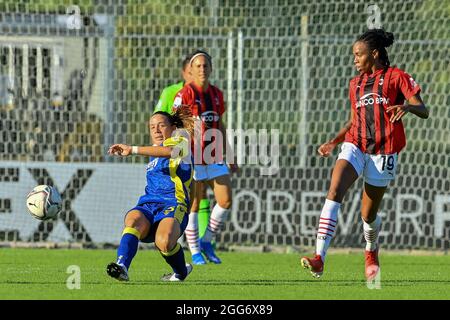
[{"x": 387, "y": 38}]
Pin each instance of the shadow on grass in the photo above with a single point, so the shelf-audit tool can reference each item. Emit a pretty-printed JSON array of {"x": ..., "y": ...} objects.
[{"x": 295, "y": 282}]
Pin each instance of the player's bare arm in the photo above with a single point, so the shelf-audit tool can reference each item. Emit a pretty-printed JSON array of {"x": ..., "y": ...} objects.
[
  {"x": 150, "y": 151},
  {"x": 326, "y": 148},
  {"x": 414, "y": 105}
]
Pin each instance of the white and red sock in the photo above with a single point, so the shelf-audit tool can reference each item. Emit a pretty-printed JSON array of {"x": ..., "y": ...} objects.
[
  {"x": 327, "y": 227},
  {"x": 218, "y": 216},
  {"x": 192, "y": 233},
  {"x": 371, "y": 231}
]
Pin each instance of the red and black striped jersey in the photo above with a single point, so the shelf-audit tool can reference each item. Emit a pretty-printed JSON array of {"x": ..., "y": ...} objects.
[
  {"x": 370, "y": 95},
  {"x": 208, "y": 106}
]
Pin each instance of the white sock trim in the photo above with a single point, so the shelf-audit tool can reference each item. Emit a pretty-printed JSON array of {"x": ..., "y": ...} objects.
[
  {"x": 327, "y": 226},
  {"x": 193, "y": 221},
  {"x": 191, "y": 233},
  {"x": 371, "y": 232},
  {"x": 218, "y": 216}
]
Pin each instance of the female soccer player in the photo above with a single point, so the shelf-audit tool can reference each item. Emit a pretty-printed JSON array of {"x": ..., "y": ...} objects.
[
  {"x": 207, "y": 105},
  {"x": 165, "y": 103},
  {"x": 372, "y": 138},
  {"x": 161, "y": 214}
]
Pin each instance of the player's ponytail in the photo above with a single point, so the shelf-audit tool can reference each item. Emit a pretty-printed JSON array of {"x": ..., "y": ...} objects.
[
  {"x": 182, "y": 118},
  {"x": 380, "y": 40}
]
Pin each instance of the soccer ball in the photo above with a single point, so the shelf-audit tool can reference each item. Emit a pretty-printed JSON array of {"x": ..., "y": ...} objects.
[{"x": 44, "y": 202}]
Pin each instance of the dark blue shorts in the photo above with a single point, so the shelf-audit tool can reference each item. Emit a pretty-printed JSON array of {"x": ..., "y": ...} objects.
[{"x": 155, "y": 212}]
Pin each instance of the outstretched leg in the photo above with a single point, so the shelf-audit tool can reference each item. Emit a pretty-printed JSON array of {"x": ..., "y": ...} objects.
[
  {"x": 136, "y": 228},
  {"x": 371, "y": 201},
  {"x": 343, "y": 176}
]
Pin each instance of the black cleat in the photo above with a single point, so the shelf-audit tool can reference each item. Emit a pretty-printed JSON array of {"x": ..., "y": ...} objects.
[{"x": 117, "y": 271}]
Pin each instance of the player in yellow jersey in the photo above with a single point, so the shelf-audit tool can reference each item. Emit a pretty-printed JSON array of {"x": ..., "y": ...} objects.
[{"x": 161, "y": 214}]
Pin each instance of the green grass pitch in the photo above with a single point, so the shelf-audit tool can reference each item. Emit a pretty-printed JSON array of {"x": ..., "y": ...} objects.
[{"x": 42, "y": 274}]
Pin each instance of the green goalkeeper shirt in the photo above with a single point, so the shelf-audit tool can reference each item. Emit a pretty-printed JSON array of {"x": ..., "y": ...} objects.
[{"x": 165, "y": 102}]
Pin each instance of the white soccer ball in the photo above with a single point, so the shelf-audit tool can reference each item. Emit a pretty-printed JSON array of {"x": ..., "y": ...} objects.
[{"x": 44, "y": 202}]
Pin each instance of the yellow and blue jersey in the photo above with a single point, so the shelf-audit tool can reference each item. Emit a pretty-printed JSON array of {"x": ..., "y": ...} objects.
[{"x": 169, "y": 179}]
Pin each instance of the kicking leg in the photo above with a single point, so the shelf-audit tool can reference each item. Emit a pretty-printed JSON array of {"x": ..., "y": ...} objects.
[
  {"x": 344, "y": 175},
  {"x": 371, "y": 201},
  {"x": 136, "y": 228}
]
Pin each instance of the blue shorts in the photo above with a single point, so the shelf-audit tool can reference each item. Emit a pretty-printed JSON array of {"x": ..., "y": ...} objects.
[
  {"x": 155, "y": 212},
  {"x": 210, "y": 171}
]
